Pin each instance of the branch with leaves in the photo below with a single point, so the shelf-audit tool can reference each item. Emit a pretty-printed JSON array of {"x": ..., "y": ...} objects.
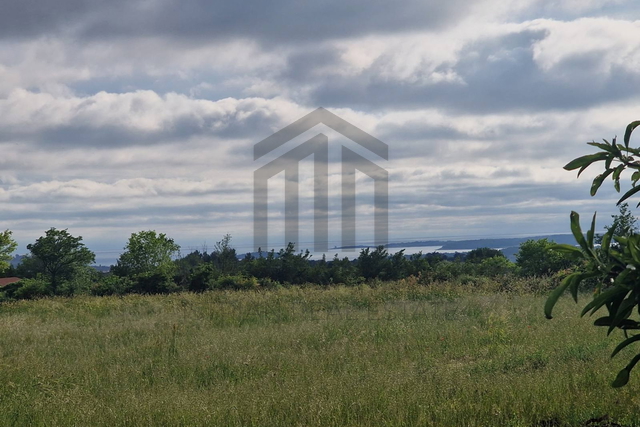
[{"x": 615, "y": 267}]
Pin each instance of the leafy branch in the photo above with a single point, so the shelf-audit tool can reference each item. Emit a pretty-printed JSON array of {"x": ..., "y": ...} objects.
[{"x": 615, "y": 268}]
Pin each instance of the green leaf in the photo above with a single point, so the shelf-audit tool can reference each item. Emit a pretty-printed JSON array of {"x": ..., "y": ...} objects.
[
  {"x": 567, "y": 249},
  {"x": 622, "y": 379},
  {"x": 597, "y": 181},
  {"x": 573, "y": 286},
  {"x": 607, "y": 296},
  {"x": 616, "y": 185},
  {"x": 584, "y": 161},
  {"x": 628, "y": 194},
  {"x": 627, "y": 134},
  {"x": 625, "y": 343},
  {"x": 622, "y": 240},
  {"x": 555, "y": 294},
  {"x": 634, "y": 151},
  {"x": 606, "y": 241},
  {"x": 635, "y": 177},
  {"x": 624, "y": 323},
  {"x": 605, "y": 147},
  {"x": 617, "y": 171},
  {"x": 624, "y": 310},
  {"x": 623, "y": 376},
  {"x": 634, "y": 250},
  {"x": 577, "y": 231},
  {"x": 592, "y": 231},
  {"x": 607, "y": 164}
]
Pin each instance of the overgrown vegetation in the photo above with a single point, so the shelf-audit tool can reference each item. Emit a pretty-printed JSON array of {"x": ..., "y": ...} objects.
[
  {"x": 388, "y": 353},
  {"x": 151, "y": 264}
]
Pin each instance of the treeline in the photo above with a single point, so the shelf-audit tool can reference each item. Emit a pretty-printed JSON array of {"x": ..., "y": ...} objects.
[{"x": 60, "y": 264}]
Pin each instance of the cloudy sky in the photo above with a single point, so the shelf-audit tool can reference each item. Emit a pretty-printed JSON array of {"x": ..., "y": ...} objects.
[{"x": 120, "y": 116}]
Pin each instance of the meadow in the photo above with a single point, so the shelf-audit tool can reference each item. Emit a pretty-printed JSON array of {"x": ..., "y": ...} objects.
[{"x": 384, "y": 354}]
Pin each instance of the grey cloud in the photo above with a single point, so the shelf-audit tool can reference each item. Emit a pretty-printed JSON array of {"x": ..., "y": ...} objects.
[
  {"x": 447, "y": 192},
  {"x": 91, "y": 122},
  {"x": 499, "y": 75},
  {"x": 288, "y": 21}
]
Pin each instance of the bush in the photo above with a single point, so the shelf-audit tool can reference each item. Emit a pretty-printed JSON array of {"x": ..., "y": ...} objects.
[
  {"x": 81, "y": 281},
  {"x": 373, "y": 264},
  {"x": 203, "y": 277},
  {"x": 447, "y": 270},
  {"x": 480, "y": 254},
  {"x": 112, "y": 285},
  {"x": 342, "y": 271},
  {"x": 158, "y": 282},
  {"x": 236, "y": 282},
  {"x": 496, "y": 266},
  {"x": 536, "y": 258},
  {"x": 32, "y": 288}
]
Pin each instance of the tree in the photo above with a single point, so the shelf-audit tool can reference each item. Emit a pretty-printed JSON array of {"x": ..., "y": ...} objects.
[
  {"x": 535, "y": 258},
  {"x": 57, "y": 254},
  {"x": 373, "y": 264},
  {"x": 292, "y": 267},
  {"x": 477, "y": 255},
  {"x": 224, "y": 256},
  {"x": 7, "y": 246},
  {"x": 623, "y": 224},
  {"x": 616, "y": 269},
  {"x": 147, "y": 252}
]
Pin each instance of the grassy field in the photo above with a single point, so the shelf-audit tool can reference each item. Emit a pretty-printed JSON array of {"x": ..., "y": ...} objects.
[{"x": 394, "y": 355}]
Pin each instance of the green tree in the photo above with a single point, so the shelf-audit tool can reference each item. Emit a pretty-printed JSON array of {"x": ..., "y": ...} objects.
[
  {"x": 536, "y": 258},
  {"x": 57, "y": 254},
  {"x": 615, "y": 268},
  {"x": 7, "y": 247},
  {"x": 224, "y": 256},
  {"x": 373, "y": 264},
  {"x": 398, "y": 267},
  {"x": 477, "y": 255},
  {"x": 147, "y": 252},
  {"x": 624, "y": 224},
  {"x": 496, "y": 266}
]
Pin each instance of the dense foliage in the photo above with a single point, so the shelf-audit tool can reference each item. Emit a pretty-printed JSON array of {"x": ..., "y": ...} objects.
[
  {"x": 613, "y": 266},
  {"x": 151, "y": 263},
  {"x": 57, "y": 255},
  {"x": 7, "y": 246}
]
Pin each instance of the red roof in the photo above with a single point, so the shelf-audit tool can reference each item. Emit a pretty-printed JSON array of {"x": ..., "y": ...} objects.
[{"x": 4, "y": 281}]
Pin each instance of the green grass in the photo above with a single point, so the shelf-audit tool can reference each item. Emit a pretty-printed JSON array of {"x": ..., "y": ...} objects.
[{"x": 393, "y": 355}]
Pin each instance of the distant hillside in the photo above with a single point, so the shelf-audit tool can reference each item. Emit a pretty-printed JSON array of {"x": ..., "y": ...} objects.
[
  {"x": 483, "y": 243},
  {"x": 508, "y": 246}
]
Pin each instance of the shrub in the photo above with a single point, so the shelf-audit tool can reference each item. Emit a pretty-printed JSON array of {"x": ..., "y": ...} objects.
[
  {"x": 32, "y": 288},
  {"x": 373, "y": 264},
  {"x": 480, "y": 254},
  {"x": 496, "y": 266},
  {"x": 80, "y": 282},
  {"x": 342, "y": 271},
  {"x": 536, "y": 258},
  {"x": 158, "y": 282},
  {"x": 203, "y": 277},
  {"x": 236, "y": 282},
  {"x": 112, "y": 285}
]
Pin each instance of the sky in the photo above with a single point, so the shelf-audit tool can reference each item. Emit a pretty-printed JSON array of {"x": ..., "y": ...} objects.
[{"x": 121, "y": 116}]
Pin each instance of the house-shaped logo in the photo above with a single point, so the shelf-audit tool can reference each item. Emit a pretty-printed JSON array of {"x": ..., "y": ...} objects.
[{"x": 318, "y": 145}]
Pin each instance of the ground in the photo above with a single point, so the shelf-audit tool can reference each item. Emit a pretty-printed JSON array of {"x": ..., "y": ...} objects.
[{"x": 399, "y": 354}]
